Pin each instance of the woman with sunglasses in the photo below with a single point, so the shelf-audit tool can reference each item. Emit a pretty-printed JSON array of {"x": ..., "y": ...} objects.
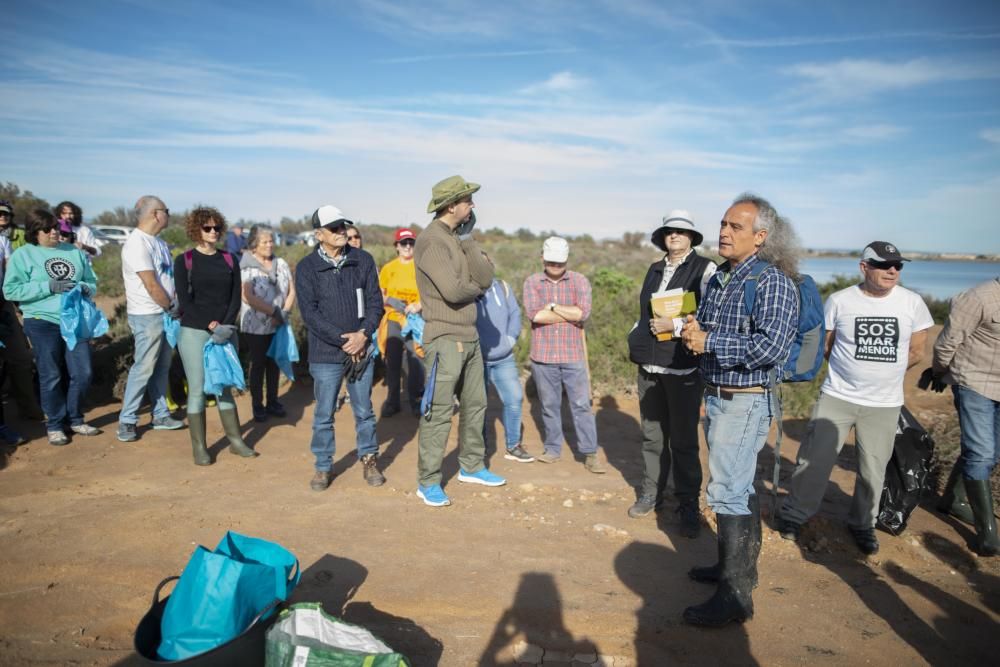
[
  {"x": 37, "y": 276},
  {"x": 398, "y": 280},
  {"x": 354, "y": 238},
  {"x": 268, "y": 296},
  {"x": 208, "y": 290}
]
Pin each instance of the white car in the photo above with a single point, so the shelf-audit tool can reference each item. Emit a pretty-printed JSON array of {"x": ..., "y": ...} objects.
[{"x": 112, "y": 233}]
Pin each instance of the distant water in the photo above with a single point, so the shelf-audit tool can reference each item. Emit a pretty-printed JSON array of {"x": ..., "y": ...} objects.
[{"x": 935, "y": 278}]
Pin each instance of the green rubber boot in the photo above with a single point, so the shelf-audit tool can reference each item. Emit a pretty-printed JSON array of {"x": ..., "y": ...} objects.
[
  {"x": 953, "y": 501},
  {"x": 196, "y": 428},
  {"x": 231, "y": 425},
  {"x": 981, "y": 501}
]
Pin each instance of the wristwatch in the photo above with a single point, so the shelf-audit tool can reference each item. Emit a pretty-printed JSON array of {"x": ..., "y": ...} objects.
[{"x": 552, "y": 307}]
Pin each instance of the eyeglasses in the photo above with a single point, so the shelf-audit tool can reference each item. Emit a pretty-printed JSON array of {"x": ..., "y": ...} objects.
[
  {"x": 336, "y": 229},
  {"x": 353, "y": 237},
  {"x": 676, "y": 232},
  {"x": 885, "y": 266},
  {"x": 5, "y": 214},
  {"x": 211, "y": 228},
  {"x": 48, "y": 228},
  {"x": 166, "y": 211},
  {"x": 407, "y": 242}
]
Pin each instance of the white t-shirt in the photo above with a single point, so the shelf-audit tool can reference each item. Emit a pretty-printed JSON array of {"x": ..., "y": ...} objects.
[
  {"x": 142, "y": 252},
  {"x": 872, "y": 343}
]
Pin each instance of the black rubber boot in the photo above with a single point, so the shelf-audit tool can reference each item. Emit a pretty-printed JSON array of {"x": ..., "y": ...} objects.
[
  {"x": 710, "y": 574},
  {"x": 231, "y": 425},
  {"x": 981, "y": 501},
  {"x": 732, "y": 601},
  {"x": 953, "y": 500},
  {"x": 196, "y": 427}
]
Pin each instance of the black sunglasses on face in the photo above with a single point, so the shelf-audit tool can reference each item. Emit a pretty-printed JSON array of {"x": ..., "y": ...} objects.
[
  {"x": 408, "y": 242},
  {"x": 885, "y": 266},
  {"x": 210, "y": 228}
]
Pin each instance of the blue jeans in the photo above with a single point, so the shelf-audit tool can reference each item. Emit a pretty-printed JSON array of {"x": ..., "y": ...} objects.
[
  {"x": 51, "y": 352},
  {"x": 550, "y": 380},
  {"x": 327, "y": 379},
  {"x": 150, "y": 366},
  {"x": 503, "y": 375},
  {"x": 736, "y": 430},
  {"x": 979, "y": 419}
]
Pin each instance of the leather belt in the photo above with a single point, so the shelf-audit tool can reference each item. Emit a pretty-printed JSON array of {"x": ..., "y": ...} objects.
[{"x": 729, "y": 393}]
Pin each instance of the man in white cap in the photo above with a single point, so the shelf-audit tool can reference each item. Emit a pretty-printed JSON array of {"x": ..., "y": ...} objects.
[
  {"x": 875, "y": 331},
  {"x": 557, "y": 302},
  {"x": 341, "y": 304}
]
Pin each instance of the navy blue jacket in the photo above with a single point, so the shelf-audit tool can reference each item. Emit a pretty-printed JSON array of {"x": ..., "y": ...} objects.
[{"x": 336, "y": 301}]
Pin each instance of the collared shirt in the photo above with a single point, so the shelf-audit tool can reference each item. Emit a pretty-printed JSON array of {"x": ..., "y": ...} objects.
[
  {"x": 968, "y": 347},
  {"x": 740, "y": 350},
  {"x": 562, "y": 342},
  {"x": 337, "y": 261}
]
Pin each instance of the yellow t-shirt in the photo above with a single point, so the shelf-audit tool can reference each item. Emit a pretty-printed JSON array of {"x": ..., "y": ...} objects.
[{"x": 399, "y": 282}]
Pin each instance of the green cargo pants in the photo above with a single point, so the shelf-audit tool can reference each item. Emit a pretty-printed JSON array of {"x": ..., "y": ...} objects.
[{"x": 460, "y": 372}]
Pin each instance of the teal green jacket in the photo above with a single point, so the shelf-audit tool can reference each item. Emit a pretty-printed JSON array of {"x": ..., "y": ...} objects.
[{"x": 29, "y": 271}]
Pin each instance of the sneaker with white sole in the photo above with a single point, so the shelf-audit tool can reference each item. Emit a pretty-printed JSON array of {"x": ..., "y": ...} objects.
[
  {"x": 85, "y": 429},
  {"x": 127, "y": 432},
  {"x": 167, "y": 423},
  {"x": 546, "y": 457},
  {"x": 433, "y": 495},
  {"x": 519, "y": 454},
  {"x": 484, "y": 477},
  {"x": 58, "y": 438}
]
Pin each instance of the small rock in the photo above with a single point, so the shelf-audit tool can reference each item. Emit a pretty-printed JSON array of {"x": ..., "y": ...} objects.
[
  {"x": 529, "y": 653},
  {"x": 568, "y": 503},
  {"x": 527, "y": 487}
]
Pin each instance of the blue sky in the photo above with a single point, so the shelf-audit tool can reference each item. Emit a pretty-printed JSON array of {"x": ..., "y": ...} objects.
[{"x": 859, "y": 120}]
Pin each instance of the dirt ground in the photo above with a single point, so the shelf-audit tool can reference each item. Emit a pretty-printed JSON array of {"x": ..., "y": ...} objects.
[{"x": 550, "y": 562}]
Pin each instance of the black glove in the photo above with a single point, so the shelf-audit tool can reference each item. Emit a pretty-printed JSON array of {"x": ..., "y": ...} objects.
[
  {"x": 86, "y": 289},
  {"x": 222, "y": 333},
  {"x": 928, "y": 380},
  {"x": 60, "y": 286},
  {"x": 174, "y": 311},
  {"x": 356, "y": 368},
  {"x": 464, "y": 230}
]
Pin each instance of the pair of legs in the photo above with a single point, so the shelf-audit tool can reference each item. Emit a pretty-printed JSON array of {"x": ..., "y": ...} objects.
[
  {"x": 150, "y": 367},
  {"x": 20, "y": 367},
  {"x": 550, "y": 379},
  {"x": 396, "y": 349},
  {"x": 668, "y": 412},
  {"x": 327, "y": 379},
  {"x": 458, "y": 370},
  {"x": 261, "y": 367},
  {"x": 832, "y": 420},
  {"x": 504, "y": 377},
  {"x": 979, "y": 420},
  {"x": 51, "y": 353}
]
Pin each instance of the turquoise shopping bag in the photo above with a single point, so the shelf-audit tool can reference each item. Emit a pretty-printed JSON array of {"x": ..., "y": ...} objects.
[
  {"x": 222, "y": 368},
  {"x": 284, "y": 350},
  {"x": 79, "y": 318}
]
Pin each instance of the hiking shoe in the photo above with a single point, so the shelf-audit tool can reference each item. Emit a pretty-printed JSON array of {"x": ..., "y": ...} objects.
[
  {"x": 260, "y": 415},
  {"x": 518, "y": 453},
  {"x": 388, "y": 410},
  {"x": 594, "y": 465},
  {"x": 10, "y": 436},
  {"x": 545, "y": 457},
  {"x": 789, "y": 530},
  {"x": 167, "y": 423},
  {"x": 645, "y": 504},
  {"x": 433, "y": 495},
  {"x": 690, "y": 518},
  {"x": 484, "y": 477},
  {"x": 58, "y": 438},
  {"x": 370, "y": 470},
  {"x": 276, "y": 409},
  {"x": 866, "y": 540},
  {"x": 321, "y": 480},
  {"x": 127, "y": 433},
  {"x": 84, "y": 429}
]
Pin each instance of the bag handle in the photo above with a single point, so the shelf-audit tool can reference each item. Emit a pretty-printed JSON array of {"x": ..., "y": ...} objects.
[
  {"x": 156, "y": 593},
  {"x": 263, "y": 612},
  {"x": 293, "y": 581}
]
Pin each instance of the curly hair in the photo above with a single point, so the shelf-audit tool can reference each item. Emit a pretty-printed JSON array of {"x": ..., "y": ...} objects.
[
  {"x": 203, "y": 215},
  {"x": 781, "y": 247},
  {"x": 77, "y": 211},
  {"x": 38, "y": 221}
]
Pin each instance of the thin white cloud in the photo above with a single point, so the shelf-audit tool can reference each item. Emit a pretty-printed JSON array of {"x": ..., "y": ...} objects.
[
  {"x": 991, "y": 134},
  {"x": 485, "y": 55},
  {"x": 874, "y": 132},
  {"x": 856, "y": 77},
  {"x": 560, "y": 82},
  {"x": 822, "y": 40}
]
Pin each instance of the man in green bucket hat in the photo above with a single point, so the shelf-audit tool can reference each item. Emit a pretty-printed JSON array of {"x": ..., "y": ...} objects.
[{"x": 451, "y": 273}]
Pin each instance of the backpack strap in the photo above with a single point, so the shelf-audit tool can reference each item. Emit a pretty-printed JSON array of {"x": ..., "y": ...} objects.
[
  {"x": 750, "y": 285},
  {"x": 189, "y": 265}
]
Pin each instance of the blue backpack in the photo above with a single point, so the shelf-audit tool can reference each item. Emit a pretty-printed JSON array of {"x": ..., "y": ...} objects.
[{"x": 806, "y": 357}]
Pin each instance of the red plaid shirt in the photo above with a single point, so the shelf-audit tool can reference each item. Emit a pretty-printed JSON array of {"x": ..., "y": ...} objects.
[{"x": 560, "y": 343}]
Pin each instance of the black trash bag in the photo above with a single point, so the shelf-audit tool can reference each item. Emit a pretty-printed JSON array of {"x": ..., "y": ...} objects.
[{"x": 907, "y": 474}]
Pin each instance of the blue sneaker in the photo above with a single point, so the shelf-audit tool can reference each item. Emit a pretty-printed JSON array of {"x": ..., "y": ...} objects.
[
  {"x": 433, "y": 495},
  {"x": 484, "y": 477}
]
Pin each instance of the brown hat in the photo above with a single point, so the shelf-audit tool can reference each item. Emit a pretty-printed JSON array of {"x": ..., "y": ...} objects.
[{"x": 449, "y": 191}]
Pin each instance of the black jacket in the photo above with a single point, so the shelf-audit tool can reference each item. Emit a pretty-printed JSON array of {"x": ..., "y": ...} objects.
[{"x": 643, "y": 348}]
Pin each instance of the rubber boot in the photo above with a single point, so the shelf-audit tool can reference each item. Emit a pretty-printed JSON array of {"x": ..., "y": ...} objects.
[
  {"x": 231, "y": 425},
  {"x": 196, "y": 427},
  {"x": 732, "y": 601},
  {"x": 953, "y": 501},
  {"x": 710, "y": 574},
  {"x": 981, "y": 501}
]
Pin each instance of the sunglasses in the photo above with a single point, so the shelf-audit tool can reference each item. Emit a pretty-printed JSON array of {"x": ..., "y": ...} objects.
[
  {"x": 352, "y": 237},
  {"x": 885, "y": 266},
  {"x": 48, "y": 228},
  {"x": 208, "y": 229},
  {"x": 407, "y": 242}
]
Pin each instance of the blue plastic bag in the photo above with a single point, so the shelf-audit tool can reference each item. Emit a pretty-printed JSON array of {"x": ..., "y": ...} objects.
[
  {"x": 221, "y": 592},
  {"x": 171, "y": 328},
  {"x": 414, "y": 327},
  {"x": 284, "y": 350},
  {"x": 222, "y": 368},
  {"x": 79, "y": 318}
]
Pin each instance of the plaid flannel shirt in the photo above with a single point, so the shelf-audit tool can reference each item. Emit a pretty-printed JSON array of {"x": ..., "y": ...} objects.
[
  {"x": 740, "y": 350},
  {"x": 560, "y": 343}
]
